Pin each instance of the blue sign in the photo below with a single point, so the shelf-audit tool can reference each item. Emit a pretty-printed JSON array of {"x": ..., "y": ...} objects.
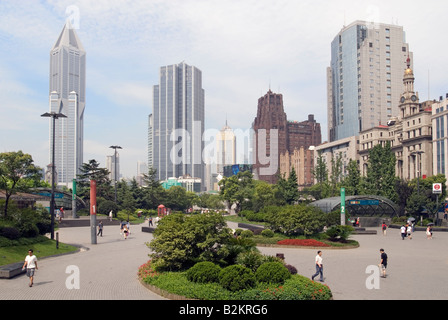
[
  {"x": 48, "y": 194},
  {"x": 364, "y": 202}
]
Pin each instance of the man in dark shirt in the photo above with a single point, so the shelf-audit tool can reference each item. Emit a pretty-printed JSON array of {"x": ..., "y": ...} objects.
[{"x": 383, "y": 263}]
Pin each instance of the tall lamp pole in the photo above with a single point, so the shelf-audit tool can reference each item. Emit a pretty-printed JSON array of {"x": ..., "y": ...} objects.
[
  {"x": 55, "y": 116},
  {"x": 115, "y": 168},
  {"x": 418, "y": 156}
]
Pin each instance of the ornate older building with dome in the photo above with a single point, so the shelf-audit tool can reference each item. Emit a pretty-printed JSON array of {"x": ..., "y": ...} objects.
[{"x": 409, "y": 134}]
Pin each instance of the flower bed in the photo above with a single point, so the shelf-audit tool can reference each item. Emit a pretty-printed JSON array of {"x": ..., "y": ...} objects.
[
  {"x": 146, "y": 270},
  {"x": 303, "y": 242},
  {"x": 175, "y": 285}
]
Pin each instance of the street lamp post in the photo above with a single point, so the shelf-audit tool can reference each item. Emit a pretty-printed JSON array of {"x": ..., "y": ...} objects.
[
  {"x": 55, "y": 116},
  {"x": 418, "y": 155},
  {"x": 115, "y": 168}
]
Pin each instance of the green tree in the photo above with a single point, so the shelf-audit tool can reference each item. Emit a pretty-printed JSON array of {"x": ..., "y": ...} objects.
[
  {"x": 125, "y": 198},
  {"x": 352, "y": 181},
  {"x": 336, "y": 174},
  {"x": 153, "y": 192},
  {"x": 404, "y": 191},
  {"x": 182, "y": 240},
  {"x": 297, "y": 219},
  {"x": 320, "y": 173},
  {"x": 17, "y": 174},
  {"x": 237, "y": 189},
  {"x": 179, "y": 199},
  {"x": 380, "y": 179},
  {"x": 91, "y": 171},
  {"x": 263, "y": 196},
  {"x": 422, "y": 198}
]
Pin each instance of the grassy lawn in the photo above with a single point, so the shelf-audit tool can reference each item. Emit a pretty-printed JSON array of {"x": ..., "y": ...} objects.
[{"x": 12, "y": 254}]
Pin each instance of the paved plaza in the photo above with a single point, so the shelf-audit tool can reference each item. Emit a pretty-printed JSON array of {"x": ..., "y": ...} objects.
[{"x": 108, "y": 270}]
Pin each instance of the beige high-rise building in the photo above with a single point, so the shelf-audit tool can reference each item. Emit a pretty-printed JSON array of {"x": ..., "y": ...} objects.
[
  {"x": 364, "y": 80},
  {"x": 225, "y": 148}
]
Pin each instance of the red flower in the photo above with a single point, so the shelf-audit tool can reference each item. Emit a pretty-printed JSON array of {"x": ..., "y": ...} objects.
[{"x": 302, "y": 242}]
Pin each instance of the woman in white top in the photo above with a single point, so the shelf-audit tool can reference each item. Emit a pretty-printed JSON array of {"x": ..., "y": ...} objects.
[
  {"x": 409, "y": 231},
  {"x": 428, "y": 233}
]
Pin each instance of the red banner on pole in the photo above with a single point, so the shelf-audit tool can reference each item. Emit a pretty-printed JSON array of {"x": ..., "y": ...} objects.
[{"x": 92, "y": 197}]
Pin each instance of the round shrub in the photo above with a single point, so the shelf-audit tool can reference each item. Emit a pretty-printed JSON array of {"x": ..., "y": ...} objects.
[
  {"x": 247, "y": 234},
  {"x": 236, "y": 277},
  {"x": 272, "y": 272},
  {"x": 10, "y": 232},
  {"x": 268, "y": 233},
  {"x": 204, "y": 272}
]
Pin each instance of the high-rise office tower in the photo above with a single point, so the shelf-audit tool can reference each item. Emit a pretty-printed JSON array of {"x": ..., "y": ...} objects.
[
  {"x": 365, "y": 77},
  {"x": 178, "y": 123},
  {"x": 68, "y": 96},
  {"x": 113, "y": 168},
  {"x": 225, "y": 148}
]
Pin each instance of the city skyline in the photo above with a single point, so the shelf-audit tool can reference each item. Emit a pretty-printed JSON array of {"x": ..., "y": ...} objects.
[{"x": 243, "y": 49}]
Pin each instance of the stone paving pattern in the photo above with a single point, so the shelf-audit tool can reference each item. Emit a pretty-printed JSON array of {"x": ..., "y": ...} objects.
[{"x": 108, "y": 270}]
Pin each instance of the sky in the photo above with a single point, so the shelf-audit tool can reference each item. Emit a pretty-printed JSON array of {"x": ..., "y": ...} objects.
[{"x": 243, "y": 48}]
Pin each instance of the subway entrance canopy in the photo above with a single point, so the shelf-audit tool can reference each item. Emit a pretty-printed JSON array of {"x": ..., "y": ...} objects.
[{"x": 360, "y": 205}]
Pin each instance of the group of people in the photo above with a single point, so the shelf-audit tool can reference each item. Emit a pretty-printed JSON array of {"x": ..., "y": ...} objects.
[
  {"x": 125, "y": 230},
  {"x": 406, "y": 231}
]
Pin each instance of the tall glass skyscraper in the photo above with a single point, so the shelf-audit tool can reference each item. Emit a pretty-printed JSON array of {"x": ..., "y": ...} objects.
[
  {"x": 364, "y": 80},
  {"x": 177, "y": 123},
  {"x": 68, "y": 96}
]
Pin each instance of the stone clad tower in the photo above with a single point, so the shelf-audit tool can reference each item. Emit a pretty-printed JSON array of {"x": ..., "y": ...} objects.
[{"x": 270, "y": 129}]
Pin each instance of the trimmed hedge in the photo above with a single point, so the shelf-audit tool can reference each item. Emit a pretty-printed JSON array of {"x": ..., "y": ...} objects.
[
  {"x": 236, "y": 277},
  {"x": 204, "y": 272},
  {"x": 272, "y": 272},
  {"x": 296, "y": 288}
]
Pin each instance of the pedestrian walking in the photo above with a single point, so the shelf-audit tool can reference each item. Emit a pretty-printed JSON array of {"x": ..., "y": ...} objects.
[
  {"x": 409, "y": 232},
  {"x": 31, "y": 266},
  {"x": 125, "y": 232},
  {"x": 319, "y": 267},
  {"x": 384, "y": 228},
  {"x": 150, "y": 221},
  {"x": 110, "y": 215},
  {"x": 100, "y": 228},
  {"x": 128, "y": 226},
  {"x": 428, "y": 233},
  {"x": 121, "y": 227},
  {"x": 383, "y": 263},
  {"x": 403, "y": 232}
]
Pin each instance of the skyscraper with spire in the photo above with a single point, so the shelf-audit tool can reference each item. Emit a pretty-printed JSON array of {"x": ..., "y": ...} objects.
[{"x": 68, "y": 96}]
